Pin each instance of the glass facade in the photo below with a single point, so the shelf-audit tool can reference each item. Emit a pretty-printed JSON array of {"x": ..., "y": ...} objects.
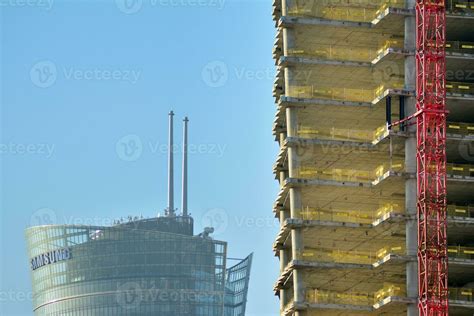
[
  {"x": 237, "y": 281},
  {"x": 126, "y": 270}
]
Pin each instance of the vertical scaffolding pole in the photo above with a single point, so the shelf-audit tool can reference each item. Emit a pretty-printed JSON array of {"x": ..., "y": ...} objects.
[{"x": 431, "y": 157}]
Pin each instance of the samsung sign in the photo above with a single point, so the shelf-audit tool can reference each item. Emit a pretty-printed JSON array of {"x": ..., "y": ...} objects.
[{"x": 51, "y": 257}]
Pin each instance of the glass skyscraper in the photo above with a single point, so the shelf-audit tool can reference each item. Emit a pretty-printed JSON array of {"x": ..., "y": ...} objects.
[{"x": 142, "y": 267}]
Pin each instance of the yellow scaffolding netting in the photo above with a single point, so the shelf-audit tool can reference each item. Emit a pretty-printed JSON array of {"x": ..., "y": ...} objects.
[
  {"x": 369, "y": 217},
  {"x": 364, "y": 95},
  {"x": 341, "y": 94},
  {"x": 351, "y": 216},
  {"x": 335, "y": 133},
  {"x": 341, "y": 174},
  {"x": 346, "y": 52},
  {"x": 355, "y": 298},
  {"x": 369, "y": 136},
  {"x": 372, "y": 175},
  {"x": 360, "y": 10},
  {"x": 318, "y": 296},
  {"x": 349, "y": 256},
  {"x": 370, "y": 257},
  {"x": 365, "y": 54},
  {"x": 344, "y": 10}
]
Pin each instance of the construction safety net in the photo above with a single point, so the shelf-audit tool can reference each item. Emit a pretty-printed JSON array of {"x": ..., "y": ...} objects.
[
  {"x": 365, "y": 95},
  {"x": 361, "y": 10},
  {"x": 351, "y": 216},
  {"x": 355, "y": 298},
  {"x": 355, "y": 175},
  {"x": 349, "y": 256},
  {"x": 356, "y": 53},
  {"x": 318, "y": 296},
  {"x": 344, "y": 10},
  {"x": 318, "y": 254},
  {"x": 346, "y": 52},
  {"x": 336, "y": 133}
]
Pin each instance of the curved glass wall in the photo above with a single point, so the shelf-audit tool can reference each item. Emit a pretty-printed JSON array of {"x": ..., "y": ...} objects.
[
  {"x": 78, "y": 270},
  {"x": 237, "y": 284}
]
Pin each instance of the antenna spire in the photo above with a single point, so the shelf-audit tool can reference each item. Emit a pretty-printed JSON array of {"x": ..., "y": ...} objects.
[
  {"x": 184, "y": 202},
  {"x": 170, "y": 211}
]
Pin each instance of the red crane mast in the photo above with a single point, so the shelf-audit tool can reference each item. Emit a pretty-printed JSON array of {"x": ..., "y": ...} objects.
[{"x": 431, "y": 157}]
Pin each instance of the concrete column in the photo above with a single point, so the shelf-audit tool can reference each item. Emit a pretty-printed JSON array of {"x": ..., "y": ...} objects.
[
  {"x": 284, "y": 259},
  {"x": 288, "y": 43},
  {"x": 410, "y": 164},
  {"x": 284, "y": 253},
  {"x": 297, "y": 246},
  {"x": 293, "y": 164}
]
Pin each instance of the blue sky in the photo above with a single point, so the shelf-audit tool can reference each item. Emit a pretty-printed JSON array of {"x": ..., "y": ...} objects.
[{"x": 81, "y": 78}]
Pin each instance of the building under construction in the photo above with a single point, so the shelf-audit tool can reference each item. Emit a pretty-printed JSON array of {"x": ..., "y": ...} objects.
[{"x": 375, "y": 122}]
